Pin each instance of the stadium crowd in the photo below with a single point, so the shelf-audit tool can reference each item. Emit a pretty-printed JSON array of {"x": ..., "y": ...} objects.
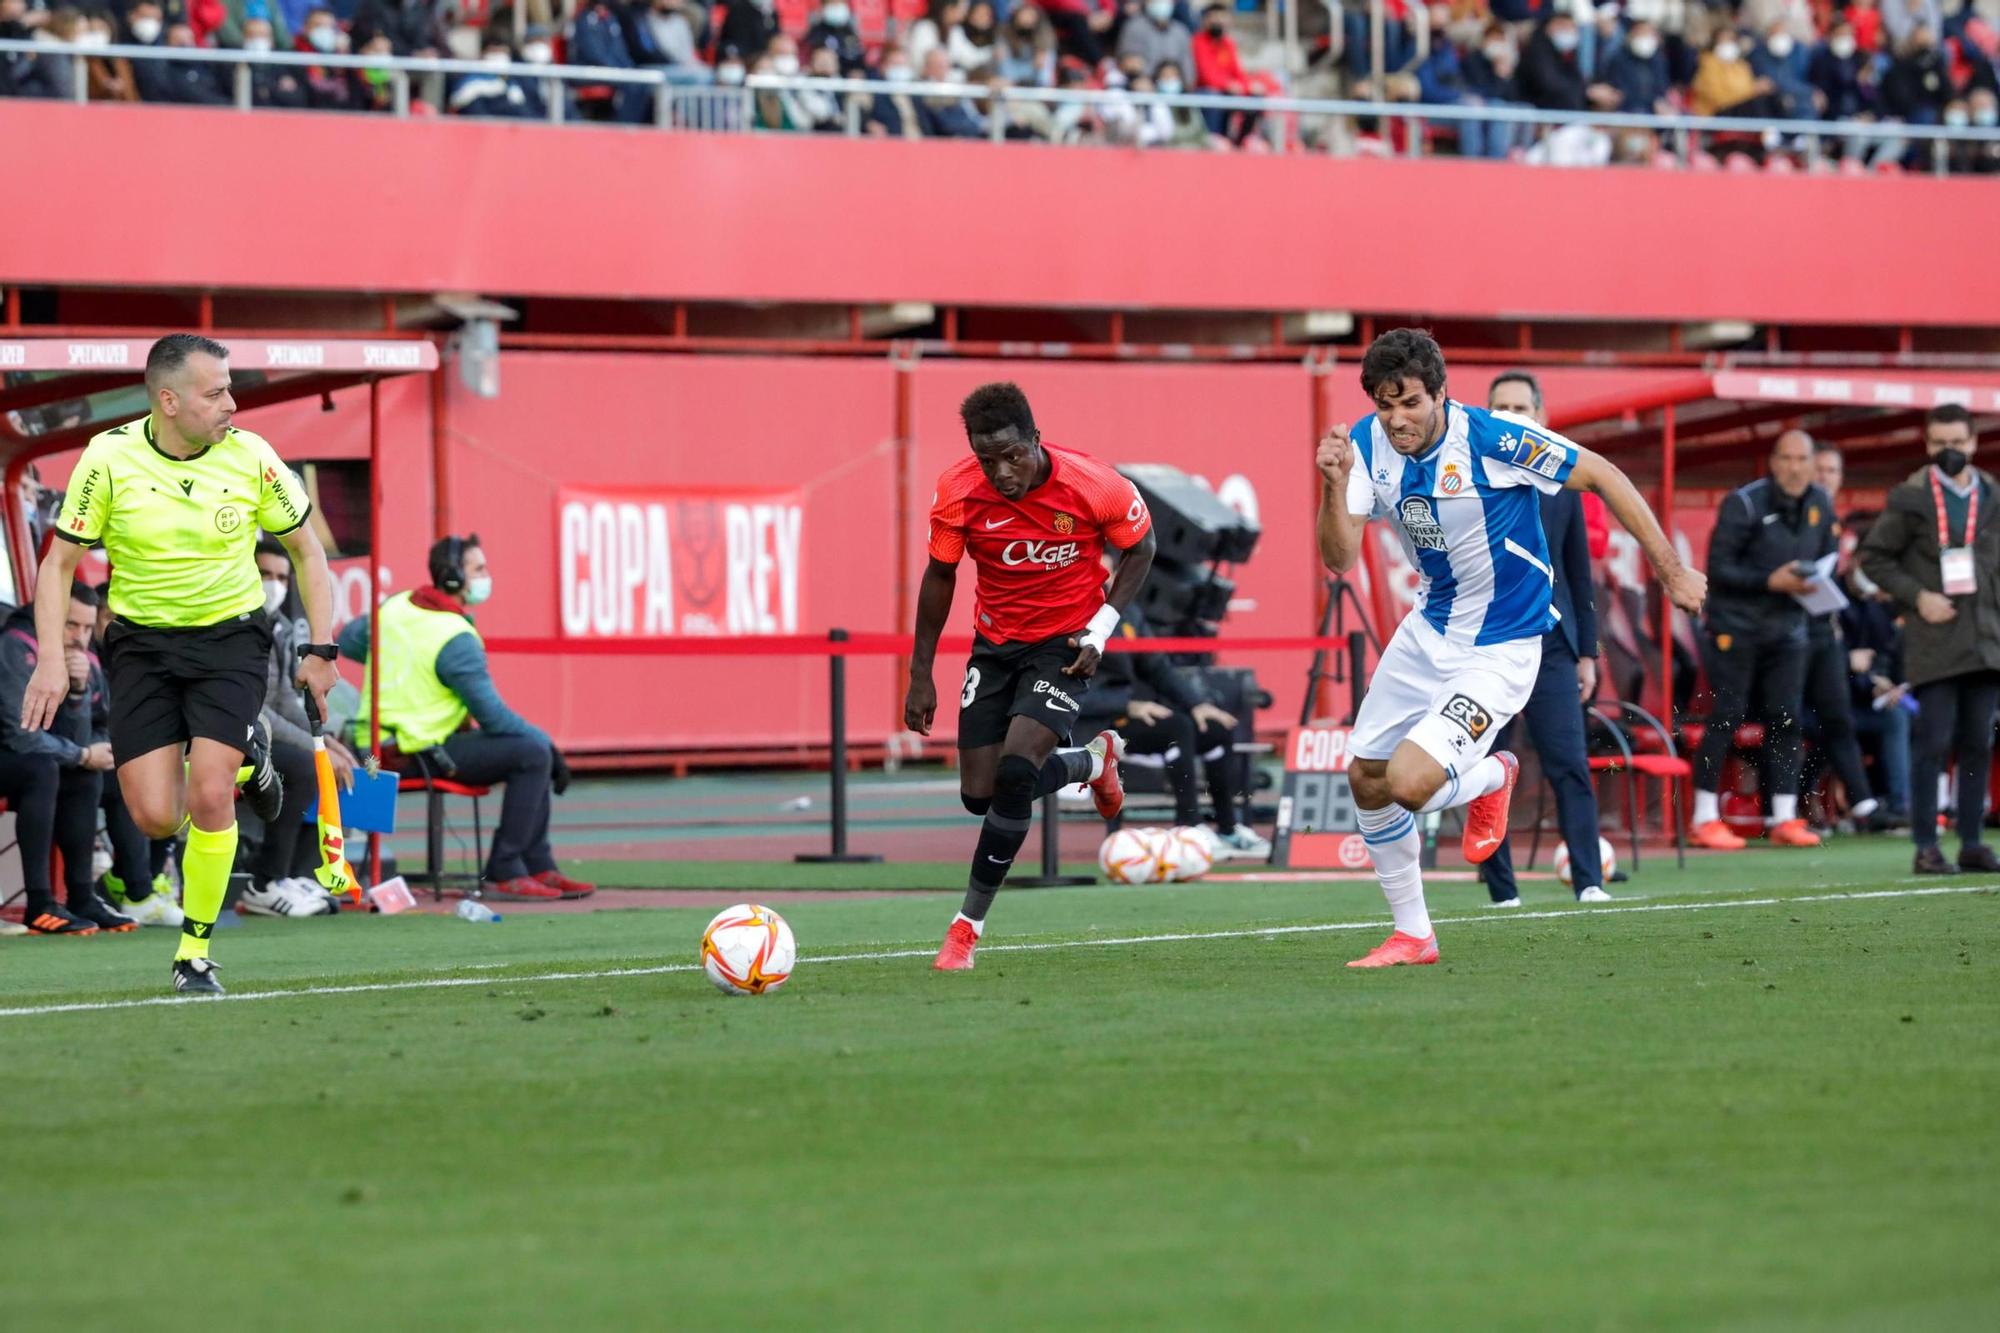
[{"x": 1881, "y": 62}]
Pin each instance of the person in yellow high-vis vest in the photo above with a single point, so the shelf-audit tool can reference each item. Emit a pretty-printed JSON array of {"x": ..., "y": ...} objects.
[
  {"x": 434, "y": 680},
  {"x": 176, "y": 499}
]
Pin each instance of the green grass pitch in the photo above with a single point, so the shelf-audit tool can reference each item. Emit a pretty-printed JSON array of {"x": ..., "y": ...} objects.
[{"x": 1696, "y": 1110}]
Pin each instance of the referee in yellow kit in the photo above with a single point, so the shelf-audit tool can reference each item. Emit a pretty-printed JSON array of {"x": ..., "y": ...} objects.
[{"x": 177, "y": 498}]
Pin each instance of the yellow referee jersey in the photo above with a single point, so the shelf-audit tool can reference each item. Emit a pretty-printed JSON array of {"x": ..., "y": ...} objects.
[{"x": 181, "y": 533}]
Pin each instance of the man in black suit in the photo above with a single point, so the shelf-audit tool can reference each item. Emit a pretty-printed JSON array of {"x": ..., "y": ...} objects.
[{"x": 1554, "y": 715}]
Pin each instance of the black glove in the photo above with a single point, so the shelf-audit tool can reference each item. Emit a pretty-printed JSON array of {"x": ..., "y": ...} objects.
[{"x": 558, "y": 771}]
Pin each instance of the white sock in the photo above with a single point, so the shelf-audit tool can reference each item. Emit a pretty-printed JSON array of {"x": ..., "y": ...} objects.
[
  {"x": 1784, "y": 809},
  {"x": 978, "y": 927},
  {"x": 1394, "y": 845},
  {"x": 1707, "y": 807},
  {"x": 1488, "y": 775},
  {"x": 1096, "y": 761}
]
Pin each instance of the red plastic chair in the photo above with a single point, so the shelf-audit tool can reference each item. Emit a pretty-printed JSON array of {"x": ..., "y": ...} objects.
[
  {"x": 1653, "y": 757},
  {"x": 435, "y": 790}
]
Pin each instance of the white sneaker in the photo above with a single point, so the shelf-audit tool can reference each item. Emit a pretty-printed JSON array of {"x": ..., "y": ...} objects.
[
  {"x": 157, "y": 908},
  {"x": 1506, "y": 902},
  {"x": 1242, "y": 843},
  {"x": 276, "y": 898},
  {"x": 313, "y": 900},
  {"x": 1593, "y": 894},
  {"x": 11, "y": 928}
]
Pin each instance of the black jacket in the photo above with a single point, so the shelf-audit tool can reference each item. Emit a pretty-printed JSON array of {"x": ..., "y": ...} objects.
[
  {"x": 1900, "y": 553},
  {"x": 1569, "y": 557},
  {"x": 1758, "y": 530},
  {"x": 1123, "y": 677},
  {"x": 1548, "y": 78},
  {"x": 81, "y": 719},
  {"x": 1870, "y": 623}
]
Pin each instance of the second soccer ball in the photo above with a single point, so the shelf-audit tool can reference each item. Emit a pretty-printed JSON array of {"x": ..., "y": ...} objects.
[{"x": 1607, "y": 856}]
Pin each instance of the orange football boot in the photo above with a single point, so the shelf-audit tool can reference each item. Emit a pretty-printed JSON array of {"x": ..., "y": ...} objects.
[
  {"x": 1792, "y": 833},
  {"x": 1716, "y": 836},
  {"x": 1398, "y": 950},
  {"x": 1105, "y": 789},
  {"x": 959, "y": 942},
  {"x": 1486, "y": 817}
]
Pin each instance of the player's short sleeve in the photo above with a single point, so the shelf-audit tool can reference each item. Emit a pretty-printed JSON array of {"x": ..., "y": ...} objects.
[
  {"x": 1360, "y": 489},
  {"x": 1119, "y": 509},
  {"x": 282, "y": 504},
  {"x": 947, "y": 541},
  {"x": 87, "y": 503},
  {"x": 1517, "y": 452}
]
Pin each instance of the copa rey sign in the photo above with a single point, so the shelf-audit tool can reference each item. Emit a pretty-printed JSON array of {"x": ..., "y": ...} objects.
[{"x": 653, "y": 563}]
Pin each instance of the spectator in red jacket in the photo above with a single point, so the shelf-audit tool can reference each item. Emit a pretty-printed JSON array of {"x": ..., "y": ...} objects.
[
  {"x": 1218, "y": 68},
  {"x": 1084, "y": 28}
]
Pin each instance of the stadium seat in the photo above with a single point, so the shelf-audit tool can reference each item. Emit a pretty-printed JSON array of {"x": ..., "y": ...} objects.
[
  {"x": 435, "y": 789},
  {"x": 1643, "y": 748}
]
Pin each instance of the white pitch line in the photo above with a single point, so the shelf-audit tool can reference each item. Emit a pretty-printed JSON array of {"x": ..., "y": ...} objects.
[{"x": 888, "y": 955}]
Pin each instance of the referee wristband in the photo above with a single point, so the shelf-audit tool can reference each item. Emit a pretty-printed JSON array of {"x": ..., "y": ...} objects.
[{"x": 1099, "y": 629}]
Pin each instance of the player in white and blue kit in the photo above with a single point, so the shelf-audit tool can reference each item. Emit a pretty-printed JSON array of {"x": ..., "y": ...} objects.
[{"x": 1460, "y": 483}]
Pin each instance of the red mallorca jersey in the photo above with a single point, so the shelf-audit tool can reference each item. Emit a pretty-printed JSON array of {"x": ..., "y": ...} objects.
[{"x": 1037, "y": 557}]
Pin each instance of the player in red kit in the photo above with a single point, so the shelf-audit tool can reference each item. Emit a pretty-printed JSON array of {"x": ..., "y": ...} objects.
[{"x": 1035, "y": 519}]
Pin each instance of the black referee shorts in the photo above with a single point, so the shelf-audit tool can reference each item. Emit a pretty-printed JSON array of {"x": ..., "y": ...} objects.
[
  {"x": 1004, "y": 681},
  {"x": 171, "y": 685}
]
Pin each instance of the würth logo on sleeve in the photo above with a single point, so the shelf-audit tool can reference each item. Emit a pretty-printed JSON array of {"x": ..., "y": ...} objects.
[{"x": 1467, "y": 713}]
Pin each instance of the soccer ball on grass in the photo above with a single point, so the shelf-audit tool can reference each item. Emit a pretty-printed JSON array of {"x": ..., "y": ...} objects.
[{"x": 748, "y": 950}]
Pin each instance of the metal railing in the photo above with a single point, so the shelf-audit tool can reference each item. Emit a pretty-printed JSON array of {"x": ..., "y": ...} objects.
[{"x": 733, "y": 109}]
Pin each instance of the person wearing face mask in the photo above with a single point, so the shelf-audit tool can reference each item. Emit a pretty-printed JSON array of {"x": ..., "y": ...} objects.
[
  {"x": 1842, "y": 77},
  {"x": 894, "y": 115},
  {"x": 834, "y": 27},
  {"x": 1550, "y": 76},
  {"x": 1218, "y": 68},
  {"x": 1936, "y": 551},
  {"x": 1982, "y": 111},
  {"x": 327, "y": 89},
  {"x": 185, "y": 81},
  {"x": 493, "y": 93},
  {"x": 1157, "y": 38},
  {"x": 1725, "y": 85},
  {"x": 271, "y": 85},
  {"x": 973, "y": 43},
  {"x": 281, "y": 867},
  {"x": 235, "y": 29},
  {"x": 1634, "y": 76},
  {"x": 1441, "y": 81},
  {"x": 1189, "y": 129},
  {"x": 1027, "y": 55},
  {"x": 1784, "y": 64},
  {"x": 434, "y": 679},
  {"x": 111, "y": 78},
  {"x": 1918, "y": 82}
]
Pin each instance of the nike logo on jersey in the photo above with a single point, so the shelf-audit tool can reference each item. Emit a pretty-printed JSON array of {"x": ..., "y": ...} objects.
[{"x": 991, "y": 524}]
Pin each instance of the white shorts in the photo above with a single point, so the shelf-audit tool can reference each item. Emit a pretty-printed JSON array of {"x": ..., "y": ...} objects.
[{"x": 1453, "y": 700}]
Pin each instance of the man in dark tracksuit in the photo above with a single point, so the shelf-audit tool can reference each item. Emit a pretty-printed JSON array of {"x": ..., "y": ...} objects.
[
  {"x": 1829, "y": 711},
  {"x": 1161, "y": 709},
  {"x": 1754, "y": 641},
  {"x": 1553, "y": 717},
  {"x": 1936, "y": 550}
]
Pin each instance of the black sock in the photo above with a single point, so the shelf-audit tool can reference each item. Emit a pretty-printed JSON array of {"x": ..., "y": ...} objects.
[
  {"x": 138, "y": 893},
  {"x": 1004, "y": 829},
  {"x": 1065, "y": 768}
]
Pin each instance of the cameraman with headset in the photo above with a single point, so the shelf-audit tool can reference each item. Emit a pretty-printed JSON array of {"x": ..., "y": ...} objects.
[{"x": 434, "y": 678}]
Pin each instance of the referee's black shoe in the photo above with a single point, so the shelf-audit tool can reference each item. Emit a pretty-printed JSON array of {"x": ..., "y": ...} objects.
[
  {"x": 264, "y": 789},
  {"x": 196, "y": 976}
]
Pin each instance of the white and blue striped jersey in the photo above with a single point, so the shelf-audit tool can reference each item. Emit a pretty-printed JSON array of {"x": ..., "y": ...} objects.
[{"x": 1469, "y": 514}]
